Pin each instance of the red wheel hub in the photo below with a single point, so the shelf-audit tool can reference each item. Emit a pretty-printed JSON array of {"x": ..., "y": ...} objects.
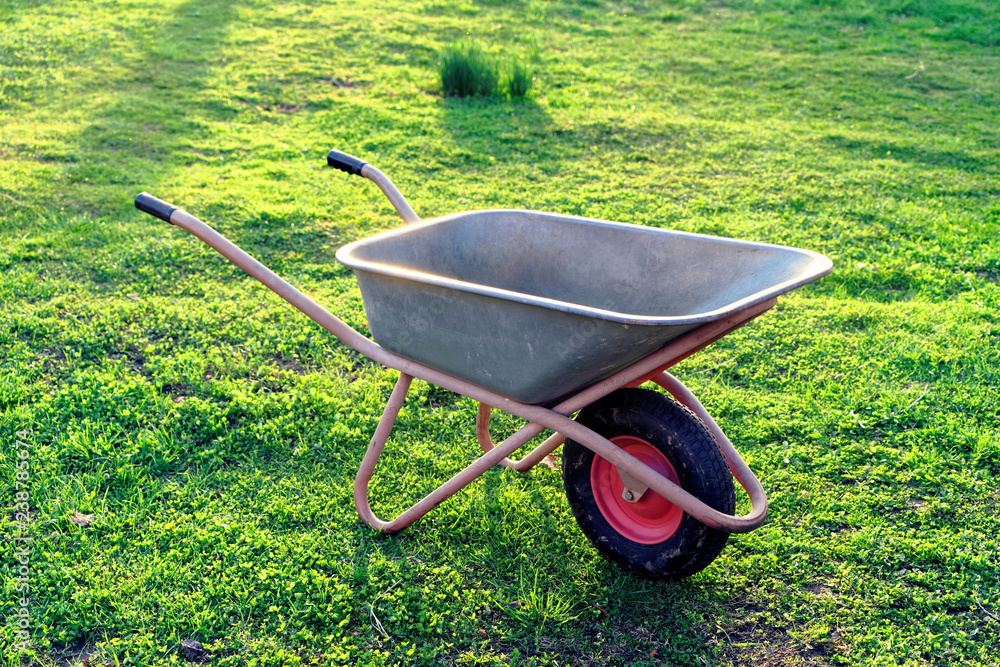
[{"x": 651, "y": 519}]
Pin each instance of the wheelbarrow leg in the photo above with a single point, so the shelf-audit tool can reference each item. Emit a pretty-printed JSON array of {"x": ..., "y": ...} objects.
[
  {"x": 531, "y": 459},
  {"x": 374, "y": 451},
  {"x": 441, "y": 493},
  {"x": 741, "y": 471}
]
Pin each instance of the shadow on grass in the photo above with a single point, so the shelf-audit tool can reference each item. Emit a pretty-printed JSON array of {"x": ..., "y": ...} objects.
[
  {"x": 876, "y": 149},
  {"x": 487, "y": 127},
  {"x": 151, "y": 124},
  {"x": 154, "y": 108},
  {"x": 579, "y": 605},
  {"x": 524, "y": 131}
]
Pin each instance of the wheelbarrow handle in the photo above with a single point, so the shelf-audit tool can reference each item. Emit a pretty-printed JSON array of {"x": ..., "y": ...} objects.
[
  {"x": 357, "y": 166},
  {"x": 157, "y": 208},
  {"x": 345, "y": 162}
]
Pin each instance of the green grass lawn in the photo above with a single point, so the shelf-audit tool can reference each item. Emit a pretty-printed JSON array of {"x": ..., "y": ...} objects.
[{"x": 213, "y": 432}]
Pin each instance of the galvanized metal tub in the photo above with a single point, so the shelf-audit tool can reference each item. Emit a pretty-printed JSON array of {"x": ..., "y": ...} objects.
[{"x": 536, "y": 305}]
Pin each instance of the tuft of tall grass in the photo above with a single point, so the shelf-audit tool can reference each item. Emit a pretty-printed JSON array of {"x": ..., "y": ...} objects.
[
  {"x": 467, "y": 71},
  {"x": 519, "y": 80}
]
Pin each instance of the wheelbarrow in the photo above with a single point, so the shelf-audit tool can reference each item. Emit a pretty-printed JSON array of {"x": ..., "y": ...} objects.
[{"x": 544, "y": 316}]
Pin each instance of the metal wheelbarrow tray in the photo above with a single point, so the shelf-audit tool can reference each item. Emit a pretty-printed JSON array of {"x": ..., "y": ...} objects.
[
  {"x": 543, "y": 316},
  {"x": 535, "y": 305}
]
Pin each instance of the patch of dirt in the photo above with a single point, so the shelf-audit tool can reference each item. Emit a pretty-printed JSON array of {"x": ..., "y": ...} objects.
[
  {"x": 136, "y": 359},
  {"x": 289, "y": 365},
  {"x": 281, "y": 107},
  {"x": 988, "y": 275},
  {"x": 757, "y": 643},
  {"x": 339, "y": 82},
  {"x": 179, "y": 392},
  {"x": 817, "y": 589},
  {"x": 77, "y": 654},
  {"x": 761, "y": 645},
  {"x": 599, "y": 642},
  {"x": 278, "y": 107},
  {"x": 52, "y": 359},
  {"x": 614, "y": 650}
]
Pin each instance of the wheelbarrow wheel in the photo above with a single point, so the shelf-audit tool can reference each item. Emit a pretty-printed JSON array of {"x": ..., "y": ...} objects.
[{"x": 650, "y": 537}]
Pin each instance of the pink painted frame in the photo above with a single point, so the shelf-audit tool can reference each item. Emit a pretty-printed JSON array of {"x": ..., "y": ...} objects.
[
  {"x": 557, "y": 419},
  {"x": 540, "y": 418}
]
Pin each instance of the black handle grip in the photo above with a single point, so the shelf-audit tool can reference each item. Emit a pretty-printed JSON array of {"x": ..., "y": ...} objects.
[
  {"x": 345, "y": 162},
  {"x": 147, "y": 203}
]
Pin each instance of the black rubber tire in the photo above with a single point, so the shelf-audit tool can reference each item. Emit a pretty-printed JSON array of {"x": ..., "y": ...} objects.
[{"x": 693, "y": 452}]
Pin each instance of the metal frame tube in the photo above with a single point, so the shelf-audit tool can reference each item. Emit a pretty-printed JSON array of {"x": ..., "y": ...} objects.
[
  {"x": 741, "y": 471},
  {"x": 391, "y": 193}
]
